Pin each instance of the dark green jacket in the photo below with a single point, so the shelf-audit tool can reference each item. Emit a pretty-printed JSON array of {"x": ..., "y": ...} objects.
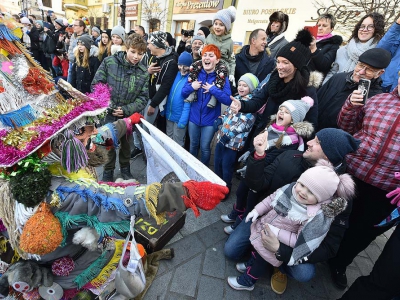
[{"x": 129, "y": 83}]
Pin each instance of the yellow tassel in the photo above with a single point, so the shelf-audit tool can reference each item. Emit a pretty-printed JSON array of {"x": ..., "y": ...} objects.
[
  {"x": 110, "y": 267},
  {"x": 151, "y": 197},
  {"x": 3, "y": 245},
  {"x": 16, "y": 257},
  {"x": 57, "y": 170},
  {"x": 55, "y": 200}
]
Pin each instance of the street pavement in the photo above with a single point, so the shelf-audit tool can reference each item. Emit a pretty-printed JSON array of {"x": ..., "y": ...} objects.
[{"x": 199, "y": 268}]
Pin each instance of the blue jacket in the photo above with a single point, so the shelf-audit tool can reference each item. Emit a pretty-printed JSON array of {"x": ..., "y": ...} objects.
[
  {"x": 200, "y": 114},
  {"x": 176, "y": 110},
  {"x": 391, "y": 43}
]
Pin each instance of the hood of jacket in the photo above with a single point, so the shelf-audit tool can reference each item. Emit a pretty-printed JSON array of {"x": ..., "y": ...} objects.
[
  {"x": 304, "y": 129},
  {"x": 94, "y": 51},
  {"x": 315, "y": 79}
]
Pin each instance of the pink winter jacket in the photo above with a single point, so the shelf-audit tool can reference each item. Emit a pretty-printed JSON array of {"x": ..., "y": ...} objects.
[{"x": 289, "y": 229}]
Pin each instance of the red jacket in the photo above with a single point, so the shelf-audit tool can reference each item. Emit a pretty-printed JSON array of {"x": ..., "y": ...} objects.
[
  {"x": 377, "y": 125},
  {"x": 64, "y": 64}
]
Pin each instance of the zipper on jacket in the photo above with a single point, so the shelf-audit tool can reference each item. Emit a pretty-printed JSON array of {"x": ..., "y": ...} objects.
[
  {"x": 173, "y": 94},
  {"x": 202, "y": 99}
]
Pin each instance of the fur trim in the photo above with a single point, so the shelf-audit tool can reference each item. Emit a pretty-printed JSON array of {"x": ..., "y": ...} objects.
[
  {"x": 94, "y": 51},
  {"x": 304, "y": 129},
  {"x": 315, "y": 79},
  {"x": 87, "y": 237}
]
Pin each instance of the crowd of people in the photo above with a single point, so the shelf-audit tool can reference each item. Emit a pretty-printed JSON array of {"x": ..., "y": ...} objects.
[{"x": 319, "y": 158}]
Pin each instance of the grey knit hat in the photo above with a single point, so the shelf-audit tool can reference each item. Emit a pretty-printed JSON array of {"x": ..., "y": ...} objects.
[
  {"x": 251, "y": 81},
  {"x": 120, "y": 31},
  {"x": 226, "y": 16},
  {"x": 85, "y": 40},
  {"x": 336, "y": 144},
  {"x": 60, "y": 22},
  {"x": 199, "y": 38},
  {"x": 298, "y": 108},
  {"x": 158, "y": 39},
  {"x": 96, "y": 29}
]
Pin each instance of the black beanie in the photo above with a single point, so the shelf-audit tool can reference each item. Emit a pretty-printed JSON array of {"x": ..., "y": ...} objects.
[
  {"x": 336, "y": 144},
  {"x": 205, "y": 30},
  {"x": 298, "y": 51},
  {"x": 377, "y": 58}
]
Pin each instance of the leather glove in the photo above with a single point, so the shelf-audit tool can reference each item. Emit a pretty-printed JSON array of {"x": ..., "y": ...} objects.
[
  {"x": 232, "y": 79},
  {"x": 135, "y": 118},
  {"x": 203, "y": 194},
  {"x": 253, "y": 215},
  {"x": 242, "y": 171},
  {"x": 244, "y": 157},
  {"x": 224, "y": 139}
]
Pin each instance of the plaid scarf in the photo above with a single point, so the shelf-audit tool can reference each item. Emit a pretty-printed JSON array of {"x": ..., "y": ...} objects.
[{"x": 313, "y": 232}]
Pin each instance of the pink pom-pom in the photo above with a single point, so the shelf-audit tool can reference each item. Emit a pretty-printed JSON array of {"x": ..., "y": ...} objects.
[
  {"x": 308, "y": 100},
  {"x": 63, "y": 266}
]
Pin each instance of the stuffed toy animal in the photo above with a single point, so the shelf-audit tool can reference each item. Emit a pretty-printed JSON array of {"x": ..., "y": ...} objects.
[{"x": 23, "y": 276}]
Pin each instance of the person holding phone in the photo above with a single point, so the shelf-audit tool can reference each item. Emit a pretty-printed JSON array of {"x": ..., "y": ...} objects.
[
  {"x": 324, "y": 45},
  {"x": 333, "y": 94}
]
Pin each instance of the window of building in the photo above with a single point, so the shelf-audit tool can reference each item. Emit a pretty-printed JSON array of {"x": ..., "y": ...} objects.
[
  {"x": 47, "y": 3},
  {"x": 132, "y": 24},
  {"x": 178, "y": 29}
]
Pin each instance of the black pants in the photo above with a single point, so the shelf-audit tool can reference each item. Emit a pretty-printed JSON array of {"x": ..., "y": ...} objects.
[
  {"x": 383, "y": 282},
  {"x": 370, "y": 207}
]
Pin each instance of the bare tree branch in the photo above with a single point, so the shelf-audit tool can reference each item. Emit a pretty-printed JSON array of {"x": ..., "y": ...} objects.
[{"x": 153, "y": 13}]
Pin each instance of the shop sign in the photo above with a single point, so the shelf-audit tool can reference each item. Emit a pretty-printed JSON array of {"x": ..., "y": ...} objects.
[
  {"x": 131, "y": 10},
  {"x": 259, "y": 16},
  {"x": 197, "y": 6}
]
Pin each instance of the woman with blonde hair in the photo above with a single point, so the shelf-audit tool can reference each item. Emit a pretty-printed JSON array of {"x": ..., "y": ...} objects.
[{"x": 105, "y": 44}]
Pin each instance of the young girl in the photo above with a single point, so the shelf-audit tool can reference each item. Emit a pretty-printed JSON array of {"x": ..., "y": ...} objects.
[
  {"x": 85, "y": 65},
  {"x": 105, "y": 45},
  {"x": 234, "y": 131},
  {"x": 299, "y": 214},
  {"x": 220, "y": 36},
  {"x": 285, "y": 132},
  {"x": 118, "y": 39}
]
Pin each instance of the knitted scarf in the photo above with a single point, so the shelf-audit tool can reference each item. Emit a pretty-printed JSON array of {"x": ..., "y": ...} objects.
[
  {"x": 290, "y": 136},
  {"x": 279, "y": 91},
  {"x": 324, "y": 36},
  {"x": 314, "y": 230},
  {"x": 354, "y": 50}
]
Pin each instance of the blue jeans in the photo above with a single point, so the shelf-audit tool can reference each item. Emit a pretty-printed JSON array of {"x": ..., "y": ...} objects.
[
  {"x": 302, "y": 272},
  {"x": 69, "y": 72},
  {"x": 238, "y": 243},
  {"x": 224, "y": 161},
  {"x": 201, "y": 137}
]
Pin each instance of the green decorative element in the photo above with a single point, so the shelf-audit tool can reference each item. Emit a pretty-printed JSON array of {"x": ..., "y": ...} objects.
[
  {"x": 31, "y": 163},
  {"x": 103, "y": 229},
  {"x": 30, "y": 182},
  {"x": 92, "y": 271}
]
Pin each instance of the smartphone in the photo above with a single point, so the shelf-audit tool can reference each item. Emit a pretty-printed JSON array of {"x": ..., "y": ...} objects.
[
  {"x": 312, "y": 29},
  {"x": 363, "y": 86}
]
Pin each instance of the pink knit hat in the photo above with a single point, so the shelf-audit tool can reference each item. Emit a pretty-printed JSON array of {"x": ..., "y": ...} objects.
[{"x": 322, "y": 181}]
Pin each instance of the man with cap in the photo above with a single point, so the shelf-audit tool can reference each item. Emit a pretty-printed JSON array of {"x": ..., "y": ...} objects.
[
  {"x": 162, "y": 68},
  {"x": 330, "y": 144},
  {"x": 79, "y": 27},
  {"x": 96, "y": 35},
  {"x": 376, "y": 123},
  {"x": 333, "y": 94},
  {"x": 253, "y": 59}
]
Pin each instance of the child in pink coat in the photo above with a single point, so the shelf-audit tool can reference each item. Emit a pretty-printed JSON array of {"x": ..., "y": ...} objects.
[{"x": 299, "y": 214}]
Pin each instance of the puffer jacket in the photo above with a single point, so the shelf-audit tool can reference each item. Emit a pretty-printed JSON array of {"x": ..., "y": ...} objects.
[
  {"x": 288, "y": 228},
  {"x": 176, "y": 110},
  {"x": 81, "y": 77},
  {"x": 225, "y": 45},
  {"x": 129, "y": 83},
  {"x": 200, "y": 114}
]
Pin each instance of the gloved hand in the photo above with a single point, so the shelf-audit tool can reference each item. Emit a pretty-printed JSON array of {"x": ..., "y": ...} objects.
[
  {"x": 135, "y": 118},
  {"x": 396, "y": 194},
  {"x": 253, "y": 215},
  {"x": 203, "y": 194},
  {"x": 181, "y": 126},
  {"x": 224, "y": 139},
  {"x": 232, "y": 79},
  {"x": 242, "y": 171},
  {"x": 217, "y": 123},
  {"x": 244, "y": 157}
]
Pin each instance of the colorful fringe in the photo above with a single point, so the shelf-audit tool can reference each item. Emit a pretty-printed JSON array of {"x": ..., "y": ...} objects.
[
  {"x": 92, "y": 271},
  {"x": 151, "y": 198}
]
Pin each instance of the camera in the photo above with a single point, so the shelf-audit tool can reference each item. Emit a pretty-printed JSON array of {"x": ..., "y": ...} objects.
[{"x": 187, "y": 32}]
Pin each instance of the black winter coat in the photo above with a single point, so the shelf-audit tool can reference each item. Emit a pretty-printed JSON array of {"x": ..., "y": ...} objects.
[
  {"x": 34, "y": 36},
  {"x": 333, "y": 94},
  {"x": 81, "y": 78},
  {"x": 323, "y": 58},
  {"x": 266, "y": 65},
  {"x": 285, "y": 169}
]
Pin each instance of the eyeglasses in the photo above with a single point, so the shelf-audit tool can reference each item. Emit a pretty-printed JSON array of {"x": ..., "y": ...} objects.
[
  {"x": 368, "y": 70},
  {"x": 367, "y": 28}
]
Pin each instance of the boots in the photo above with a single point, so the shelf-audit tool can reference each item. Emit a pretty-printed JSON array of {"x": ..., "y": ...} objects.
[
  {"x": 108, "y": 176},
  {"x": 126, "y": 172}
]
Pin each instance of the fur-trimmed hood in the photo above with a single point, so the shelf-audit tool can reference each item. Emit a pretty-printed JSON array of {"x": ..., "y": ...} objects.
[
  {"x": 304, "y": 129},
  {"x": 315, "y": 79}
]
